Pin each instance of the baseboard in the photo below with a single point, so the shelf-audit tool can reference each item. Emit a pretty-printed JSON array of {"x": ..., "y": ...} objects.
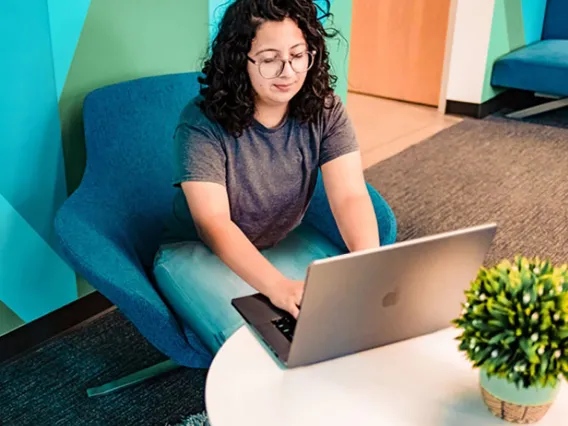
[
  {"x": 509, "y": 99},
  {"x": 32, "y": 334}
]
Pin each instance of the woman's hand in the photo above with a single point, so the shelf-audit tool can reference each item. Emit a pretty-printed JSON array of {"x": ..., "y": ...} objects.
[{"x": 287, "y": 295}]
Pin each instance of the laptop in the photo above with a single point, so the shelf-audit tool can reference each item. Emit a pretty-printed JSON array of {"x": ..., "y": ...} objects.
[{"x": 367, "y": 299}]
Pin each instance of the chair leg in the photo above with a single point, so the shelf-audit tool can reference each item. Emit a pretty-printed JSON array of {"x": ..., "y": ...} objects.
[
  {"x": 539, "y": 109},
  {"x": 133, "y": 378}
]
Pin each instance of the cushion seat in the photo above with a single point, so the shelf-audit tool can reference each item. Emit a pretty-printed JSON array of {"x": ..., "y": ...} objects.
[{"x": 540, "y": 67}]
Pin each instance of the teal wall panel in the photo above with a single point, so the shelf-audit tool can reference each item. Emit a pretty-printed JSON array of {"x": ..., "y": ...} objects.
[
  {"x": 216, "y": 11},
  {"x": 66, "y": 22},
  {"x": 32, "y": 175},
  {"x": 33, "y": 278},
  {"x": 533, "y": 18}
]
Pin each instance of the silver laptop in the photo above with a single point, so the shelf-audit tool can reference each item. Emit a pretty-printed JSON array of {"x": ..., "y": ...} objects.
[{"x": 364, "y": 300}]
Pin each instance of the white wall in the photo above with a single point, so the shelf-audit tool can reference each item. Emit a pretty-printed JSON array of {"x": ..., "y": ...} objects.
[{"x": 468, "y": 60}]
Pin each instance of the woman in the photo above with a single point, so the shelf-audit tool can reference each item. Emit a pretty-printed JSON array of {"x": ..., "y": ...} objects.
[{"x": 248, "y": 151}]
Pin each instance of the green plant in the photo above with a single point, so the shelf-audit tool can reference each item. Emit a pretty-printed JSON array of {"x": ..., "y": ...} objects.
[{"x": 515, "y": 322}]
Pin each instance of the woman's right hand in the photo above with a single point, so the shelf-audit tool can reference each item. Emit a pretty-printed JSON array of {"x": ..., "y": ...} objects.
[{"x": 287, "y": 295}]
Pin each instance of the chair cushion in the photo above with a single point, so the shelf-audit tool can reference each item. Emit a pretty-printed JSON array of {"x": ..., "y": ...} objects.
[{"x": 541, "y": 67}]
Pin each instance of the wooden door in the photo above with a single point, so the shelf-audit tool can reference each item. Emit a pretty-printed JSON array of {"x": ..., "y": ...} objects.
[{"x": 397, "y": 48}]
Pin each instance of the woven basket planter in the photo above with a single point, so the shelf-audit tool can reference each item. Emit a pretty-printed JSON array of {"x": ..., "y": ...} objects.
[
  {"x": 521, "y": 406},
  {"x": 514, "y": 413}
]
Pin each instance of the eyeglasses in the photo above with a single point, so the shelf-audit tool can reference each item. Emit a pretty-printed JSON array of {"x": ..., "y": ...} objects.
[{"x": 274, "y": 67}]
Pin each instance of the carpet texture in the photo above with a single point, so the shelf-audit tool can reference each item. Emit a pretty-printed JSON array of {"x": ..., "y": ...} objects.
[
  {"x": 478, "y": 171},
  {"x": 496, "y": 170},
  {"x": 196, "y": 420},
  {"x": 48, "y": 386}
]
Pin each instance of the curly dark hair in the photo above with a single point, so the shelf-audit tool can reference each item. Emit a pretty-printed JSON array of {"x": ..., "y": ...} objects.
[{"x": 227, "y": 93}]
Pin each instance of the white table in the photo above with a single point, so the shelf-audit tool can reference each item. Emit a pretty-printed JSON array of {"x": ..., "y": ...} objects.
[{"x": 424, "y": 381}]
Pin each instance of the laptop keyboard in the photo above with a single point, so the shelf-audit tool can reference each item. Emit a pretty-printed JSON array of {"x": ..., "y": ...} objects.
[{"x": 286, "y": 325}]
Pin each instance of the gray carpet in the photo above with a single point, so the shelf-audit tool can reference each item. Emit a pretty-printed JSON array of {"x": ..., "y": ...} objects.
[
  {"x": 495, "y": 170},
  {"x": 48, "y": 386},
  {"x": 513, "y": 173}
]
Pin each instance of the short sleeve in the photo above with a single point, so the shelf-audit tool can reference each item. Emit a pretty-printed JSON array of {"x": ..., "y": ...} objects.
[
  {"x": 198, "y": 155},
  {"x": 338, "y": 134}
]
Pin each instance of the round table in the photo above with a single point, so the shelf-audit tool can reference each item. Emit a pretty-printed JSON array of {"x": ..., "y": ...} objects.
[{"x": 423, "y": 381}]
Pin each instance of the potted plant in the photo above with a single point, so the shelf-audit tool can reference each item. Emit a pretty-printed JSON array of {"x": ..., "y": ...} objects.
[{"x": 514, "y": 328}]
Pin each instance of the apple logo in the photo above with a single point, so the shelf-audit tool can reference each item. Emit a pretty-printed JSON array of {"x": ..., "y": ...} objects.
[{"x": 391, "y": 298}]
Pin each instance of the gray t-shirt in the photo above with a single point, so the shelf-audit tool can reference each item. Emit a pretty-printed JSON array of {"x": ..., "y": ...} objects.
[{"x": 269, "y": 173}]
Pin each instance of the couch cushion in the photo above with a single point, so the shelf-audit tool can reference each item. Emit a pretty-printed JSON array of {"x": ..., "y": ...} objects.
[
  {"x": 541, "y": 67},
  {"x": 556, "y": 20}
]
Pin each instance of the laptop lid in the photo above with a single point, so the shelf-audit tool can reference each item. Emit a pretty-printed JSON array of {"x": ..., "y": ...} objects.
[{"x": 367, "y": 299}]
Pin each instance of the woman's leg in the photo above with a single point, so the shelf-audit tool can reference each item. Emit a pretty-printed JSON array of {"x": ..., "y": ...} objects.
[{"x": 200, "y": 287}]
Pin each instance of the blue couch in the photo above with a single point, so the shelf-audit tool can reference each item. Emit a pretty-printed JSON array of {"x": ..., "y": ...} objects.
[
  {"x": 541, "y": 67},
  {"x": 110, "y": 226}
]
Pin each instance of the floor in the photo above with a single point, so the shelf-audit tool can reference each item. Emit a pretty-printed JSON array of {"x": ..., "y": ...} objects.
[{"x": 385, "y": 127}]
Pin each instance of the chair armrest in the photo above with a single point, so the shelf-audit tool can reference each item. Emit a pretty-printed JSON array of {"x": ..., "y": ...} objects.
[
  {"x": 95, "y": 246},
  {"x": 320, "y": 216}
]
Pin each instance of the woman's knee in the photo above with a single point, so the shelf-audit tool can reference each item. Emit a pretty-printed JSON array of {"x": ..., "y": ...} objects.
[
  {"x": 186, "y": 272},
  {"x": 200, "y": 287}
]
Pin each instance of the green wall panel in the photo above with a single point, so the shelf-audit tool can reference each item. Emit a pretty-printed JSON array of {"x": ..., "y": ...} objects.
[
  {"x": 83, "y": 287},
  {"x": 8, "y": 319},
  {"x": 123, "y": 40},
  {"x": 339, "y": 47},
  {"x": 498, "y": 45}
]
